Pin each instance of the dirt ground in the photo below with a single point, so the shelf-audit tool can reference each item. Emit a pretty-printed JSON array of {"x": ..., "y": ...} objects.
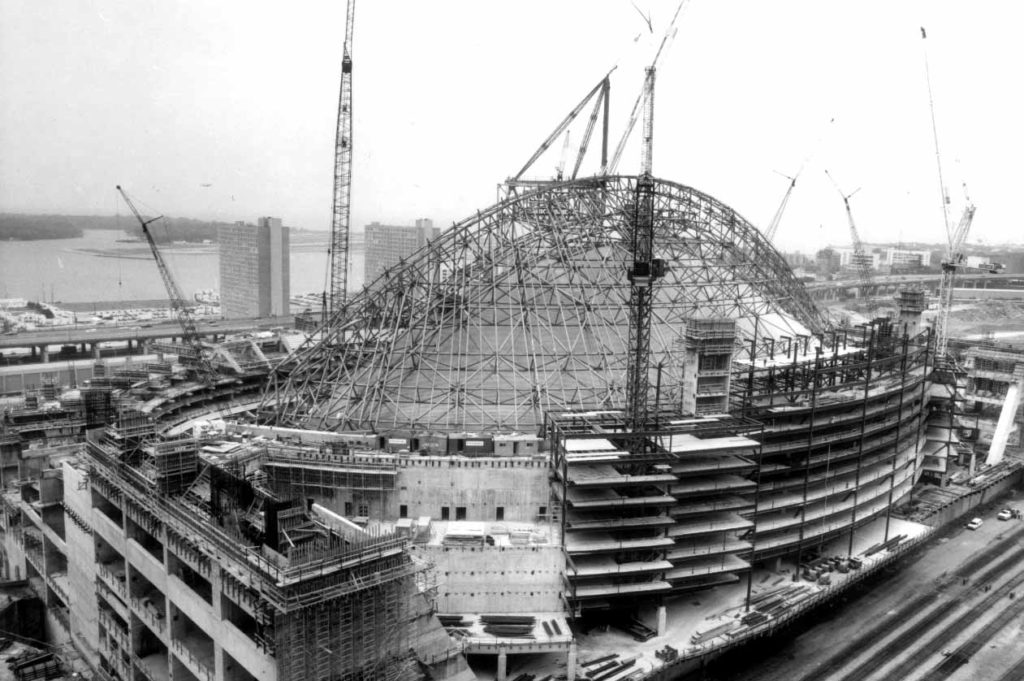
[{"x": 966, "y": 319}]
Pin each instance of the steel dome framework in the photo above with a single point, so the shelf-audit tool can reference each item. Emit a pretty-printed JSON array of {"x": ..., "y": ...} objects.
[{"x": 522, "y": 309}]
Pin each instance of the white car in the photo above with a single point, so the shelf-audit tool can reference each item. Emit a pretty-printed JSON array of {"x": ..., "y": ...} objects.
[
  {"x": 1005, "y": 514},
  {"x": 975, "y": 523}
]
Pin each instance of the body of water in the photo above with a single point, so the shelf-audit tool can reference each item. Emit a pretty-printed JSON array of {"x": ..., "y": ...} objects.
[{"x": 96, "y": 267}]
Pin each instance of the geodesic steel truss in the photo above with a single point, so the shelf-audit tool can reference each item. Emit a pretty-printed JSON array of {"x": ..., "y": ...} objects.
[{"x": 522, "y": 309}]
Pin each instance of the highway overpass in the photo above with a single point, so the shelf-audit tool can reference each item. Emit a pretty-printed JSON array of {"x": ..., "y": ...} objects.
[{"x": 39, "y": 343}]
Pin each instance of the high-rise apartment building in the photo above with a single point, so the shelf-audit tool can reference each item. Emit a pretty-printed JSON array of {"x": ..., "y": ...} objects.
[
  {"x": 254, "y": 269},
  {"x": 387, "y": 244}
]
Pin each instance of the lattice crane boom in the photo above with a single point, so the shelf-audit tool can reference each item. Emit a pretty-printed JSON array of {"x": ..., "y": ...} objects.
[
  {"x": 601, "y": 92},
  {"x": 342, "y": 179},
  {"x": 190, "y": 335},
  {"x": 641, "y": 100},
  {"x": 861, "y": 261},
  {"x": 773, "y": 226}
]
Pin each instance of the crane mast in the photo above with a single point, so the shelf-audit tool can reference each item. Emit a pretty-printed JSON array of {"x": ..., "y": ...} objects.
[
  {"x": 342, "y": 180},
  {"x": 190, "y": 336},
  {"x": 644, "y": 270}
]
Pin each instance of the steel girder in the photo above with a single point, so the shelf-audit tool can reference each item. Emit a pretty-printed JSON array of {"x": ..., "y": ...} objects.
[{"x": 522, "y": 309}]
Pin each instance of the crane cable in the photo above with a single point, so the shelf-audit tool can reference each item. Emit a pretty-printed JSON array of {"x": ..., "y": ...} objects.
[{"x": 935, "y": 137}]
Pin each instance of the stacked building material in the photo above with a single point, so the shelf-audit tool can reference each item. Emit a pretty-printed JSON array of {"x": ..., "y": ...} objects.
[
  {"x": 464, "y": 534},
  {"x": 612, "y": 669},
  {"x": 708, "y": 634},
  {"x": 551, "y": 627},
  {"x": 509, "y": 626},
  {"x": 886, "y": 546}
]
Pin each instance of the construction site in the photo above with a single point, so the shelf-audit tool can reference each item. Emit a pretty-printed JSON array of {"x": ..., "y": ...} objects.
[{"x": 597, "y": 430}]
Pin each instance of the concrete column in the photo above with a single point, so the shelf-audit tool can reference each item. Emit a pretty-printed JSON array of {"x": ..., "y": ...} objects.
[
  {"x": 217, "y": 587},
  {"x": 570, "y": 662},
  {"x": 776, "y": 564},
  {"x": 662, "y": 620},
  {"x": 218, "y": 661},
  {"x": 95, "y": 351},
  {"x": 45, "y": 351},
  {"x": 502, "y": 666}
]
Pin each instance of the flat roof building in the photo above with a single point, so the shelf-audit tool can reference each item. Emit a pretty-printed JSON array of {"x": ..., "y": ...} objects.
[
  {"x": 254, "y": 269},
  {"x": 387, "y": 244}
]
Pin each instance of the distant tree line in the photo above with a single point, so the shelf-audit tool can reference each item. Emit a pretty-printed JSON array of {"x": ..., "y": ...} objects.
[
  {"x": 31, "y": 227},
  {"x": 34, "y": 227}
]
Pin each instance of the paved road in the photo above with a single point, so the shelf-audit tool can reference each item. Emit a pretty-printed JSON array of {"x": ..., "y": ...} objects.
[{"x": 954, "y": 610}]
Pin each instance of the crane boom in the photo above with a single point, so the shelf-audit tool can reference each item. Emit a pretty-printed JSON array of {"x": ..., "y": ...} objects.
[
  {"x": 599, "y": 104},
  {"x": 644, "y": 92},
  {"x": 342, "y": 179},
  {"x": 602, "y": 88},
  {"x": 190, "y": 336},
  {"x": 773, "y": 226}
]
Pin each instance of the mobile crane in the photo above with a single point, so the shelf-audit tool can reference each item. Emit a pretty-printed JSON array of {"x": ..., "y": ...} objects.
[
  {"x": 861, "y": 260},
  {"x": 342, "y": 182},
  {"x": 196, "y": 358}
]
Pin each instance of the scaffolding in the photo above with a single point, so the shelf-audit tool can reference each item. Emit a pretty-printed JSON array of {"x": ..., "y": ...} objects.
[
  {"x": 293, "y": 471},
  {"x": 708, "y": 348},
  {"x": 171, "y": 465},
  {"x": 327, "y": 606}
]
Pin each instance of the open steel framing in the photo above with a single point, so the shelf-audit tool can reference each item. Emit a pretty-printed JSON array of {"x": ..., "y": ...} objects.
[{"x": 523, "y": 308}]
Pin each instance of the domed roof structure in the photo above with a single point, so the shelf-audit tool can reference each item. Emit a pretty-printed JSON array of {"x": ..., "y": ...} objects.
[{"x": 523, "y": 309}]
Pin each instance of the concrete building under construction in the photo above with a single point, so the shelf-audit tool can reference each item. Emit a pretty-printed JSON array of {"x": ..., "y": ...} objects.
[
  {"x": 565, "y": 414},
  {"x": 461, "y": 482}
]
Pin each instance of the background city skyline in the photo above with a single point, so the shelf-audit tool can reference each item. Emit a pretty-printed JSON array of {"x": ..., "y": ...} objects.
[{"x": 452, "y": 98}]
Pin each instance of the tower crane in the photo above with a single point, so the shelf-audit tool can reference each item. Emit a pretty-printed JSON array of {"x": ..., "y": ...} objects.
[
  {"x": 955, "y": 261},
  {"x": 642, "y": 272},
  {"x": 956, "y": 237},
  {"x": 342, "y": 180},
  {"x": 861, "y": 261},
  {"x": 197, "y": 358},
  {"x": 644, "y": 269}
]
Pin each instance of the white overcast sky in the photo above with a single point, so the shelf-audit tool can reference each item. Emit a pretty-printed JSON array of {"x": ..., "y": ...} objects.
[{"x": 452, "y": 97}]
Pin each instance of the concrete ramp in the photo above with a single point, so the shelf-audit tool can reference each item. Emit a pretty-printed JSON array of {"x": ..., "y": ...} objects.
[{"x": 1006, "y": 417}]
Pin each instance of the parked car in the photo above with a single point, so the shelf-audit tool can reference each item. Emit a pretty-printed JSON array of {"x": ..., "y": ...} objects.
[
  {"x": 1005, "y": 514},
  {"x": 975, "y": 523}
]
